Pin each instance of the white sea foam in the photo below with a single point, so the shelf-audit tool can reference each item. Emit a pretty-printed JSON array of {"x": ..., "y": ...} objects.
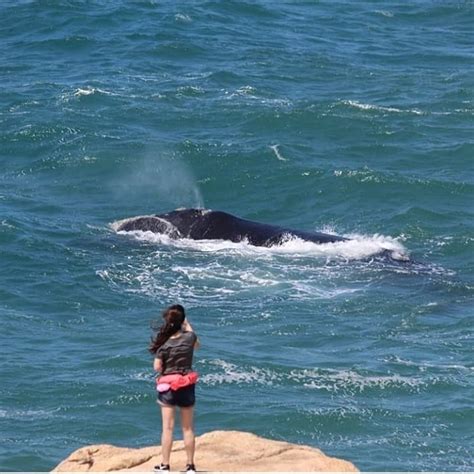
[
  {"x": 342, "y": 412},
  {"x": 80, "y": 92},
  {"x": 252, "y": 94},
  {"x": 380, "y": 108},
  {"x": 90, "y": 91},
  {"x": 182, "y": 18},
  {"x": 127, "y": 399},
  {"x": 28, "y": 414},
  {"x": 228, "y": 373},
  {"x": 247, "y": 90},
  {"x": 385, "y": 13},
  {"x": 424, "y": 366},
  {"x": 359, "y": 247},
  {"x": 334, "y": 380},
  {"x": 187, "y": 91},
  {"x": 331, "y": 380},
  {"x": 214, "y": 270},
  {"x": 277, "y": 152},
  {"x": 233, "y": 279},
  {"x": 6, "y": 224}
]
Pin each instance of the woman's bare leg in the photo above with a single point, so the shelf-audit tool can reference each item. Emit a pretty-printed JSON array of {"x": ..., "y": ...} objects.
[
  {"x": 167, "y": 416},
  {"x": 188, "y": 432}
]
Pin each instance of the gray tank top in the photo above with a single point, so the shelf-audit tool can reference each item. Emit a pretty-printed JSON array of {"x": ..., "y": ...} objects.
[{"x": 177, "y": 354}]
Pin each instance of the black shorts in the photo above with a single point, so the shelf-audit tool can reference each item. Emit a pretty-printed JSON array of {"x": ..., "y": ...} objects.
[{"x": 184, "y": 397}]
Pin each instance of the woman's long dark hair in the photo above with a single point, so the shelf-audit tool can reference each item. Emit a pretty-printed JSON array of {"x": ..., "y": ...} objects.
[{"x": 174, "y": 317}]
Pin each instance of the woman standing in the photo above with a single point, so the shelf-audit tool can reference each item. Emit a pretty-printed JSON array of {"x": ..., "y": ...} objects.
[{"x": 173, "y": 348}]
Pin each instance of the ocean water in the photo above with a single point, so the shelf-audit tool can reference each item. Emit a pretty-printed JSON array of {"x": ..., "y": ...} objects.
[{"x": 348, "y": 117}]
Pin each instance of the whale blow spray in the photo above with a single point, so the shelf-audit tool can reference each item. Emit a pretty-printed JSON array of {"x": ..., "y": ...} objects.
[{"x": 162, "y": 180}]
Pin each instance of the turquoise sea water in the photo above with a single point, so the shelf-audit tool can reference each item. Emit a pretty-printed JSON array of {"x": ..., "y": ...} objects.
[{"x": 352, "y": 118}]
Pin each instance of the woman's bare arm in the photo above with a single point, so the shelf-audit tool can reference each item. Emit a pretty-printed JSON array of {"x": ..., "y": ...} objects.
[
  {"x": 157, "y": 364},
  {"x": 187, "y": 327}
]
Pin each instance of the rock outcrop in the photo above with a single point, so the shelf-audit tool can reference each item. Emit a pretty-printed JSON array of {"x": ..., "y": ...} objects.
[{"x": 215, "y": 451}]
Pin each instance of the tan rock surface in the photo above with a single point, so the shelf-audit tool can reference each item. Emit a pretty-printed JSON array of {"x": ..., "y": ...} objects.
[{"x": 215, "y": 451}]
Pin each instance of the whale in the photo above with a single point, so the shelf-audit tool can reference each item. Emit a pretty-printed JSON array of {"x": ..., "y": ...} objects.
[{"x": 205, "y": 224}]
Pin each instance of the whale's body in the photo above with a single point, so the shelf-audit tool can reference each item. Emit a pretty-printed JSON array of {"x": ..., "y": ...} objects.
[{"x": 199, "y": 224}]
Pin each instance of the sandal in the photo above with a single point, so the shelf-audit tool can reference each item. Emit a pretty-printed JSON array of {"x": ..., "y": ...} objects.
[{"x": 162, "y": 468}]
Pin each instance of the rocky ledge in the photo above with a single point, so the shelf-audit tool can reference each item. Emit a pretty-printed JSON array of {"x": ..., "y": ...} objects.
[{"x": 215, "y": 451}]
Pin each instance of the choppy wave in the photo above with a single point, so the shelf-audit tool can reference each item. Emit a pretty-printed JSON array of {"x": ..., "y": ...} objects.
[
  {"x": 183, "y": 18},
  {"x": 90, "y": 91},
  {"x": 380, "y": 108},
  {"x": 252, "y": 94},
  {"x": 85, "y": 91},
  {"x": 334, "y": 381}
]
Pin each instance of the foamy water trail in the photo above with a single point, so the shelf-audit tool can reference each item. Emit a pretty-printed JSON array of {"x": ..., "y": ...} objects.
[
  {"x": 380, "y": 108},
  {"x": 277, "y": 153},
  {"x": 329, "y": 380},
  {"x": 220, "y": 270},
  {"x": 358, "y": 247}
]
